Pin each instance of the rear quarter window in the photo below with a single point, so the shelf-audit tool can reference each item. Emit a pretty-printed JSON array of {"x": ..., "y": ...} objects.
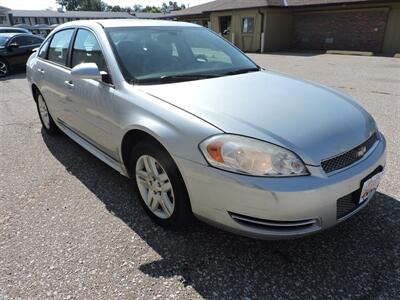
[
  {"x": 43, "y": 50},
  {"x": 34, "y": 40}
]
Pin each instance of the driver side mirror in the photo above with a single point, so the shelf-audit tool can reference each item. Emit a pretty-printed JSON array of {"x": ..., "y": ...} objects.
[
  {"x": 86, "y": 71},
  {"x": 13, "y": 45}
]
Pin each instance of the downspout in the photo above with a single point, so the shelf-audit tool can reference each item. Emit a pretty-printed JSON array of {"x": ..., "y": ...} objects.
[
  {"x": 262, "y": 40},
  {"x": 10, "y": 19}
]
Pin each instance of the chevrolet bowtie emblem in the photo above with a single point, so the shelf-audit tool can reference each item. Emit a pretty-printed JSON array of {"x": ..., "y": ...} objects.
[{"x": 361, "y": 151}]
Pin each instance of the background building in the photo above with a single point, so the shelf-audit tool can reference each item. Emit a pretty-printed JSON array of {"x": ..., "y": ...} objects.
[
  {"x": 270, "y": 25},
  {"x": 43, "y": 21}
]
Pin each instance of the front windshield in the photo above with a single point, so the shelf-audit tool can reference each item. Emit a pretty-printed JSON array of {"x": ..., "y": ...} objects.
[
  {"x": 3, "y": 40},
  {"x": 148, "y": 54}
]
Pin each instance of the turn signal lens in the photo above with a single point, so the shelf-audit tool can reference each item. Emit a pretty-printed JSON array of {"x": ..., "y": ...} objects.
[{"x": 214, "y": 149}]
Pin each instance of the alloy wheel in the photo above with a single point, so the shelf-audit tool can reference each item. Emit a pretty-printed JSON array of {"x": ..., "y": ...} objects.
[
  {"x": 155, "y": 187},
  {"x": 44, "y": 114},
  {"x": 3, "y": 68}
]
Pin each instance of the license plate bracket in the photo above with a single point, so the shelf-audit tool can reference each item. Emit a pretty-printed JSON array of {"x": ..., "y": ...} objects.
[{"x": 369, "y": 185}]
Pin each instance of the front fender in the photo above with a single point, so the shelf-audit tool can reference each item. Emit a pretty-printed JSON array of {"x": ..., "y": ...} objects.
[{"x": 177, "y": 130}]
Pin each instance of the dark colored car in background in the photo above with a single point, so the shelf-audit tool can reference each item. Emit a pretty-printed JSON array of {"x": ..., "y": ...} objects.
[
  {"x": 14, "y": 30},
  {"x": 15, "y": 49}
]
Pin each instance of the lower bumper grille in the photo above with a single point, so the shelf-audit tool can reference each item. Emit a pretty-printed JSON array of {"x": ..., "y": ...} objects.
[
  {"x": 347, "y": 204},
  {"x": 274, "y": 225}
]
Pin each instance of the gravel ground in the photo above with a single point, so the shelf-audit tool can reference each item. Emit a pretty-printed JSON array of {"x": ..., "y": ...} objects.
[{"x": 70, "y": 227}]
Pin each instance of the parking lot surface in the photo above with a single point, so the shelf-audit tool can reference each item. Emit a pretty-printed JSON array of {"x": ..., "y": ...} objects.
[{"x": 70, "y": 227}]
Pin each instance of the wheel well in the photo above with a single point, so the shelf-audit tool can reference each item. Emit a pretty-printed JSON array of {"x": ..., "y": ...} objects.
[
  {"x": 35, "y": 91},
  {"x": 130, "y": 140}
]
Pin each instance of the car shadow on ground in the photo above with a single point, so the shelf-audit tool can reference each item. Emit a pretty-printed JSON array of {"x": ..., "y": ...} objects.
[
  {"x": 19, "y": 74},
  {"x": 356, "y": 259},
  {"x": 303, "y": 53}
]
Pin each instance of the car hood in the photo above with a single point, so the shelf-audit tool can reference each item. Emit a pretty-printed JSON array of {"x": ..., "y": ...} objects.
[{"x": 315, "y": 122}]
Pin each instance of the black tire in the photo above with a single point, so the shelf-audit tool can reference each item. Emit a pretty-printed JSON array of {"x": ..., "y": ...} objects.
[
  {"x": 182, "y": 213},
  {"x": 4, "y": 68},
  {"x": 51, "y": 127}
]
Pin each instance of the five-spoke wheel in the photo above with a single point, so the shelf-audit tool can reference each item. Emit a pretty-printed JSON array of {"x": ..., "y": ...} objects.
[
  {"x": 3, "y": 68},
  {"x": 159, "y": 184},
  {"x": 155, "y": 186},
  {"x": 47, "y": 121},
  {"x": 43, "y": 112}
]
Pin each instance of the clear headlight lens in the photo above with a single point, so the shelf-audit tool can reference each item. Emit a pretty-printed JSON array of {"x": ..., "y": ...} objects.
[{"x": 250, "y": 156}]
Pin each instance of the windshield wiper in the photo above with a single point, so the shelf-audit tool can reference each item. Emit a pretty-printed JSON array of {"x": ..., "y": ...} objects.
[
  {"x": 190, "y": 77},
  {"x": 177, "y": 78},
  {"x": 242, "y": 71}
]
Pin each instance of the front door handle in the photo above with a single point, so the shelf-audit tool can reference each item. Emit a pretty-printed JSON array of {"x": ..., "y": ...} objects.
[
  {"x": 41, "y": 71},
  {"x": 69, "y": 83}
]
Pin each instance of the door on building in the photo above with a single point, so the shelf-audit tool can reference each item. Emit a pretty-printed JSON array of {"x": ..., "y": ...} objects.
[
  {"x": 247, "y": 32},
  {"x": 225, "y": 26}
]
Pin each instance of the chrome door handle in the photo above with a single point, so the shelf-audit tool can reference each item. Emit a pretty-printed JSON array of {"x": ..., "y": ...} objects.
[
  {"x": 41, "y": 71},
  {"x": 69, "y": 83}
]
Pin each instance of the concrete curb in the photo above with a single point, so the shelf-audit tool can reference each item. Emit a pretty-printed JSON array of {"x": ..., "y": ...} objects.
[{"x": 343, "y": 52}]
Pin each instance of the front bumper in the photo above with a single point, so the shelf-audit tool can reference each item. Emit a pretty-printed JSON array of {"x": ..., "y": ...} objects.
[{"x": 278, "y": 208}]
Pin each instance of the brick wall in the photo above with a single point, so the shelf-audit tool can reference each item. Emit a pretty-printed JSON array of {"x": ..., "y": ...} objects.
[{"x": 351, "y": 30}]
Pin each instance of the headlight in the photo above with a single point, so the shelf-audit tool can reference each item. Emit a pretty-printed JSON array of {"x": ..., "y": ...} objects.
[{"x": 250, "y": 156}]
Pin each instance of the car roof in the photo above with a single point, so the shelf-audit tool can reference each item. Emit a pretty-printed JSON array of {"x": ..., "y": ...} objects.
[
  {"x": 108, "y": 23},
  {"x": 11, "y": 34},
  {"x": 14, "y": 28}
]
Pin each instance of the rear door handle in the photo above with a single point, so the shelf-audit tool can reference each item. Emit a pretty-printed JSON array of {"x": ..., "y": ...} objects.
[
  {"x": 41, "y": 71},
  {"x": 69, "y": 83}
]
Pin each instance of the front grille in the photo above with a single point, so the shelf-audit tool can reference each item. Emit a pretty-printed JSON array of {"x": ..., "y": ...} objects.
[
  {"x": 274, "y": 225},
  {"x": 349, "y": 157}
]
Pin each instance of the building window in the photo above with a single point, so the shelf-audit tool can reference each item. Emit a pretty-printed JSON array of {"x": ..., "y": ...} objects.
[
  {"x": 17, "y": 20},
  {"x": 3, "y": 20},
  {"x": 42, "y": 21},
  {"x": 225, "y": 24},
  {"x": 53, "y": 20},
  {"x": 248, "y": 25}
]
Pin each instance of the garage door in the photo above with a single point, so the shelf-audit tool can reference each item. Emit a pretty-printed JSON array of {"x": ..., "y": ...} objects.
[{"x": 361, "y": 30}]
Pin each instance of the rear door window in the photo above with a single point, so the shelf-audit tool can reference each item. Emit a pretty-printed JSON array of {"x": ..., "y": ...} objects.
[{"x": 59, "y": 45}]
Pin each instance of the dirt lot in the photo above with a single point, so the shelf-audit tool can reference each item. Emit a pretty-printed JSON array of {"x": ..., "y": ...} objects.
[{"x": 70, "y": 228}]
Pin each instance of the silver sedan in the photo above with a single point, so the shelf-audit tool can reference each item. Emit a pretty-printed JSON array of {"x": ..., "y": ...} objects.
[{"x": 202, "y": 130}]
